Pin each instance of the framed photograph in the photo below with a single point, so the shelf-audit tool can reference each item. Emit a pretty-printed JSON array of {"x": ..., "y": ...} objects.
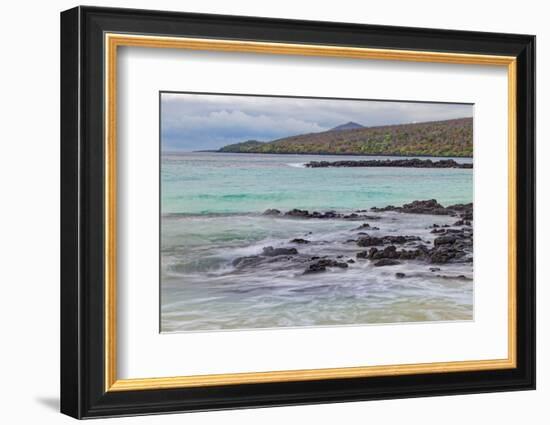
[{"x": 261, "y": 212}]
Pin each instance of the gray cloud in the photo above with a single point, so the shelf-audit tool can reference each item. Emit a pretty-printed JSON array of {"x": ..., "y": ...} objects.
[{"x": 198, "y": 121}]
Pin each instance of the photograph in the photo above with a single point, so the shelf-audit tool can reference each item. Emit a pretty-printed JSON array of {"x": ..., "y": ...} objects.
[
  {"x": 268, "y": 211},
  {"x": 287, "y": 212}
]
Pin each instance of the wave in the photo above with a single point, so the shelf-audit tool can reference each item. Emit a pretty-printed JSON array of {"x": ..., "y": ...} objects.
[{"x": 297, "y": 164}]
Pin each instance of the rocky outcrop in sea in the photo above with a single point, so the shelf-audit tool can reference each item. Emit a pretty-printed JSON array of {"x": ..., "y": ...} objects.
[
  {"x": 452, "y": 243},
  {"x": 404, "y": 163}
]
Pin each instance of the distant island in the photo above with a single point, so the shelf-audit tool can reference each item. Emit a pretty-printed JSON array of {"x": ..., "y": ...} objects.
[{"x": 435, "y": 138}]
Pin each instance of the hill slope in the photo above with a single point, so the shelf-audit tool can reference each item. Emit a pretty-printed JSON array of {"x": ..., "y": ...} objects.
[{"x": 435, "y": 138}]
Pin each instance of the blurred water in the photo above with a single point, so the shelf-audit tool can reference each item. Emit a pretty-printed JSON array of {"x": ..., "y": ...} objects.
[{"x": 212, "y": 204}]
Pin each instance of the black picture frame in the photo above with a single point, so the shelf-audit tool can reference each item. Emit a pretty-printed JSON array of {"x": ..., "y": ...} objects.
[{"x": 83, "y": 392}]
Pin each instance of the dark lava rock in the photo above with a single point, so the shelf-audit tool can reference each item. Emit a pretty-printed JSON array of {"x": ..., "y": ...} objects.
[
  {"x": 327, "y": 262},
  {"x": 431, "y": 206},
  {"x": 409, "y": 163},
  {"x": 444, "y": 240},
  {"x": 362, "y": 254},
  {"x": 453, "y": 231},
  {"x": 462, "y": 207},
  {"x": 435, "y": 269},
  {"x": 299, "y": 240},
  {"x": 465, "y": 211},
  {"x": 390, "y": 252},
  {"x": 369, "y": 241},
  {"x": 460, "y": 276},
  {"x": 372, "y": 253},
  {"x": 439, "y": 255},
  {"x": 322, "y": 264},
  {"x": 453, "y": 245},
  {"x": 269, "y": 251},
  {"x": 383, "y": 240},
  {"x": 386, "y": 262},
  {"x": 410, "y": 255},
  {"x": 272, "y": 211},
  {"x": 366, "y": 226},
  {"x": 400, "y": 239},
  {"x": 251, "y": 260},
  {"x": 272, "y": 254},
  {"x": 400, "y": 275},
  {"x": 315, "y": 268},
  {"x": 351, "y": 261},
  {"x": 297, "y": 213},
  {"x": 444, "y": 255}
]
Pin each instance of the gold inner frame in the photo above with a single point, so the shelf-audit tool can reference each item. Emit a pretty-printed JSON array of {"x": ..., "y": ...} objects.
[{"x": 113, "y": 41}]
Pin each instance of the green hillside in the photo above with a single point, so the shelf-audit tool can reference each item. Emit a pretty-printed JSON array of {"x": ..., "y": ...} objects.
[{"x": 435, "y": 138}]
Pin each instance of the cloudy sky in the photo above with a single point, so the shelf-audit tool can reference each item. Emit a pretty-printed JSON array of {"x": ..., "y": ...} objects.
[{"x": 192, "y": 122}]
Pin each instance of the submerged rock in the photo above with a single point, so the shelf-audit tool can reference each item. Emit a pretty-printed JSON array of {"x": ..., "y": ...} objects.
[
  {"x": 366, "y": 226},
  {"x": 272, "y": 211},
  {"x": 269, "y": 251},
  {"x": 251, "y": 260},
  {"x": 315, "y": 268},
  {"x": 300, "y": 241},
  {"x": 460, "y": 277}
]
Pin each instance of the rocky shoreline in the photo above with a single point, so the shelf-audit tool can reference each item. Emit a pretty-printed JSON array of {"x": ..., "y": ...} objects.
[
  {"x": 404, "y": 163},
  {"x": 450, "y": 243}
]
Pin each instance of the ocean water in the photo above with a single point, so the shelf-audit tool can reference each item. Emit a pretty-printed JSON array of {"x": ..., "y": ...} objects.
[{"x": 211, "y": 207}]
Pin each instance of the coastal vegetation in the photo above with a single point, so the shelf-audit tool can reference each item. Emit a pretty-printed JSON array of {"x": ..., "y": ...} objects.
[{"x": 449, "y": 138}]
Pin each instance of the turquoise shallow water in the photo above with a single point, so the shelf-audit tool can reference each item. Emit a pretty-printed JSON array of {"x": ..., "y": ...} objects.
[
  {"x": 211, "y": 208},
  {"x": 202, "y": 183}
]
